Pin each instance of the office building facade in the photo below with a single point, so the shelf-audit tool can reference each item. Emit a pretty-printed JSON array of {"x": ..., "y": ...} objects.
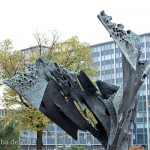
[
  {"x": 54, "y": 138},
  {"x": 108, "y": 59}
]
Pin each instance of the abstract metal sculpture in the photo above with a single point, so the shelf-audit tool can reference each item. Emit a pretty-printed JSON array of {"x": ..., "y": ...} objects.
[{"x": 54, "y": 90}]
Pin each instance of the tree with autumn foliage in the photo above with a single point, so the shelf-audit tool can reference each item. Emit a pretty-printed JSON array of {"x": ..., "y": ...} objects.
[
  {"x": 12, "y": 62},
  {"x": 71, "y": 54}
]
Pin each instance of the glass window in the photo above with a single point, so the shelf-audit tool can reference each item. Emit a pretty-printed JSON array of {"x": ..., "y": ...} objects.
[
  {"x": 140, "y": 136},
  {"x": 102, "y": 47},
  {"x": 121, "y": 74},
  {"x": 142, "y": 39},
  {"x": 109, "y": 46},
  {"x": 89, "y": 139},
  {"x": 109, "y": 56},
  {"x": 82, "y": 138},
  {"x": 139, "y": 125},
  {"x": 51, "y": 127},
  {"x": 32, "y": 134},
  {"x": 95, "y": 49},
  {"x": 96, "y": 141},
  {"x": 103, "y": 77},
  {"x": 102, "y": 69},
  {"x": 74, "y": 141},
  {"x": 144, "y": 92},
  {"x": 118, "y": 76},
  {"x": 141, "y": 93},
  {"x": 106, "y": 57},
  {"x": 112, "y": 75},
  {"x": 103, "y": 57},
  {"x": 51, "y": 138},
  {"x": 139, "y": 114},
  {"x": 59, "y": 138},
  {"x": 105, "y": 47},
  {"x": 59, "y": 129},
  {"x": 44, "y": 141},
  {"x": 112, "y": 56},
  {"x": 44, "y": 134},
  {"x": 68, "y": 139}
]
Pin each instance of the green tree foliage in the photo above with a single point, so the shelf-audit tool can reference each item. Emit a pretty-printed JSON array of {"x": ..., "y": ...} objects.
[
  {"x": 74, "y": 55},
  {"x": 71, "y": 54},
  {"x": 30, "y": 118},
  {"x": 11, "y": 63},
  {"x": 75, "y": 147},
  {"x": 9, "y": 138}
]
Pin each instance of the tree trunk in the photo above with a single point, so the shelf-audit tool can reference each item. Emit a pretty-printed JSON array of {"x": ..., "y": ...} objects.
[{"x": 39, "y": 140}]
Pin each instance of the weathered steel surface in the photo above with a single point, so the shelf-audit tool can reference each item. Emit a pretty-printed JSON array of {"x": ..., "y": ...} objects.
[
  {"x": 56, "y": 92},
  {"x": 128, "y": 41}
]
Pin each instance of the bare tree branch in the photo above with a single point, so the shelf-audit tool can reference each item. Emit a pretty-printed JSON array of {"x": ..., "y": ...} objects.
[{"x": 55, "y": 37}]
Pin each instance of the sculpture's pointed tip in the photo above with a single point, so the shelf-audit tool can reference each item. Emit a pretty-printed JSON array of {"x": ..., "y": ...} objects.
[
  {"x": 127, "y": 41},
  {"x": 7, "y": 81},
  {"x": 100, "y": 14}
]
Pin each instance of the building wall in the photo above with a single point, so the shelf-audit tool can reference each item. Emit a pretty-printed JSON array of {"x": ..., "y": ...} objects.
[
  {"x": 107, "y": 57},
  {"x": 54, "y": 136}
]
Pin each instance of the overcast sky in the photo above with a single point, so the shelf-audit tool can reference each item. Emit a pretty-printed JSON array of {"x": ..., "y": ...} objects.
[{"x": 21, "y": 18}]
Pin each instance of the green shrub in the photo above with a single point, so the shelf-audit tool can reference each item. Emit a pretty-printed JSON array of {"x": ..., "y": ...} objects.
[{"x": 75, "y": 147}]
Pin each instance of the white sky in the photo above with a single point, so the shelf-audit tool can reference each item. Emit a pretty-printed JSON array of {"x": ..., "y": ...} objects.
[{"x": 21, "y": 18}]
